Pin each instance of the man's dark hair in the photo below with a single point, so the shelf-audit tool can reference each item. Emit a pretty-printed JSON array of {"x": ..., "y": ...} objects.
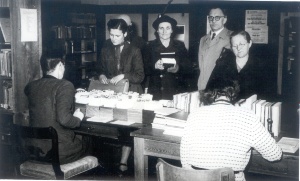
[{"x": 49, "y": 61}]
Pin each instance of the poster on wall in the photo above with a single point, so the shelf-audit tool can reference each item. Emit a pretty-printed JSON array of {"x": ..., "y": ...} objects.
[
  {"x": 28, "y": 25},
  {"x": 136, "y": 20},
  {"x": 256, "y": 24},
  {"x": 259, "y": 34},
  {"x": 182, "y": 27},
  {"x": 256, "y": 17}
]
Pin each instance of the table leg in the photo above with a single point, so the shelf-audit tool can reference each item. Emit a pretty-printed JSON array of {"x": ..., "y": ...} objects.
[{"x": 140, "y": 160}]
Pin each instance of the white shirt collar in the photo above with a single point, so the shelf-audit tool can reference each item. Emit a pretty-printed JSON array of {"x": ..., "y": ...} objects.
[{"x": 216, "y": 32}]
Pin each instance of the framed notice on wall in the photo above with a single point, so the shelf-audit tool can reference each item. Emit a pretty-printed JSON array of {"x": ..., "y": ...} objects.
[{"x": 256, "y": 24}]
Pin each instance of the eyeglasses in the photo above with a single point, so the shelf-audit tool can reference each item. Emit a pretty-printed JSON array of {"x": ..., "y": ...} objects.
[
  {"x": 217, "y": 18},
  {"x": 241, "y": 45}
]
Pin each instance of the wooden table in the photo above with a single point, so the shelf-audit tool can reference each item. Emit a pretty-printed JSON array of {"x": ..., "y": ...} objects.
[
  {"x": 112, "y": 132},
  {"x": 109, "y": 132},
  {"x": 152, "y": 142}
]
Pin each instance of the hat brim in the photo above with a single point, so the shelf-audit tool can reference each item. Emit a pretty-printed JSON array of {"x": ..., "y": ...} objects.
[{"x": 162, "y": 19}]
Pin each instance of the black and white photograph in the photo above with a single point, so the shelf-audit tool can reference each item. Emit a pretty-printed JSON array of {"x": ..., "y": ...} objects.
[{"x": 166, "y": 90}]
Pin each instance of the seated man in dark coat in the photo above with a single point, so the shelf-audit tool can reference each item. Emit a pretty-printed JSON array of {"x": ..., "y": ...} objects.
[{"x": 51, "y": 103}]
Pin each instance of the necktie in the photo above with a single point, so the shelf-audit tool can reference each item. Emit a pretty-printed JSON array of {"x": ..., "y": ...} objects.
[
  {"x": 213, "y": 36},
  {"x": 118, "y": 55}
]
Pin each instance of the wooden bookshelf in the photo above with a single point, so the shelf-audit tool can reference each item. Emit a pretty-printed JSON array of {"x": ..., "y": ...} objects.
[
  {"x": 19, "y": 61},
  {"x": 76, "y": 38}
]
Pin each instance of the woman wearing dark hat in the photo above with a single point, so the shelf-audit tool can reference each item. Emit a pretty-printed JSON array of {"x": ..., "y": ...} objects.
[{"x": 164, "y": 80}]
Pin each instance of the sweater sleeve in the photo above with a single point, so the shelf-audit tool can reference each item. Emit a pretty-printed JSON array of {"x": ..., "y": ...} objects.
[
  {"x": 65, "y": 105},
  {"x": 264, "y": 143},
  {"x": 184, "y": 147}
]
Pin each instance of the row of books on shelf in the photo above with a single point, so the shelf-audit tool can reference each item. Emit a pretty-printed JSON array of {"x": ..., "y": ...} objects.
[
  {"x": 82, "y": 47},
  {"x": 83, "y": 18},
  {"x": 5, "y": 63},
  {"x": 269, "y": 113},
  {"x": 6, "y": 97},
  {"x": 62, "y": 32},
  {"x": 188, "y": 101},
  {"x": 4, "y": 3}
]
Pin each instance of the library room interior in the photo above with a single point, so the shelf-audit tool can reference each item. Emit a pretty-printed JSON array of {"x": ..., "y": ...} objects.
[{"x": 126, "y": 90}]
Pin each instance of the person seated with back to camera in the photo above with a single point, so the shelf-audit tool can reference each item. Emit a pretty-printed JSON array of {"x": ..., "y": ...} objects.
[
  {"x": 219, "y": 135},
  {"x": 51, "y": 103}
]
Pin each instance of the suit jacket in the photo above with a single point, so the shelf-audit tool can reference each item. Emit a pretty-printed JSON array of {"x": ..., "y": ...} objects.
[
  {"x": 131, "y": 65},
  {"x": 51, "y": 103},
  {"x": 209, "y": 51}
]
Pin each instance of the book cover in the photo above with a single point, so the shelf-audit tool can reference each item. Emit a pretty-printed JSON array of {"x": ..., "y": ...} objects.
[
  {"x": 276, "y": 118},
  {"x": 180, "y": 116},
  {"x": 168, "y": 59}
]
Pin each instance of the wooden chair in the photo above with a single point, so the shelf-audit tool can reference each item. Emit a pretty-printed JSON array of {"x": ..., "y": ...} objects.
[
  {"x": 40, "y": 168},
  {"x": 167, "y": 172}
]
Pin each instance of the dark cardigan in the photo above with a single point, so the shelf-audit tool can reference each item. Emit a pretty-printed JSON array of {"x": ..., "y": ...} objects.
[{"x": 251, "y": 78}]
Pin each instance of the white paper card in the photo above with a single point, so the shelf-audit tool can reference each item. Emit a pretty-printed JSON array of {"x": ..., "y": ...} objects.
[
  {"x": 98, "y": 119},
  {"x": 169, "y": 60},
  {"x": 28, "y": 25},
  {"x": 126, "y": 123}
]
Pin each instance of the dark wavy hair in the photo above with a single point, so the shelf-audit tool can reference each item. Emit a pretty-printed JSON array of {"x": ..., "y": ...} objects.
[
  {"x": 228, "y": 88},
  {"x": 50, "y": 60},
  {"x": 117, "y": 24}
]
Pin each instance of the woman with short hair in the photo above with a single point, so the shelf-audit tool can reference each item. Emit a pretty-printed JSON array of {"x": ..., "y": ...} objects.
[
  {"x": 219, "y": 134},
  {"x": 119, "y": 59}
]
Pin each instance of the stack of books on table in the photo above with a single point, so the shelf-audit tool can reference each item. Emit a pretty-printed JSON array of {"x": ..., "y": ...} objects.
[
  {"x": 269, "y": 113},
  {"x": 172, "y": 124},
  {"x": 188, "y": 101}
]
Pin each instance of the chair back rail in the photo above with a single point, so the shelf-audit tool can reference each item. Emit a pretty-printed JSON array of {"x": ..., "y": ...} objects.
[{"x": 168, "y": 172}]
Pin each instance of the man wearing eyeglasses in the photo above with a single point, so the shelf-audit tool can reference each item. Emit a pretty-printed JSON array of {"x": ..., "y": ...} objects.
[{"x": 212, "y": 44}]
